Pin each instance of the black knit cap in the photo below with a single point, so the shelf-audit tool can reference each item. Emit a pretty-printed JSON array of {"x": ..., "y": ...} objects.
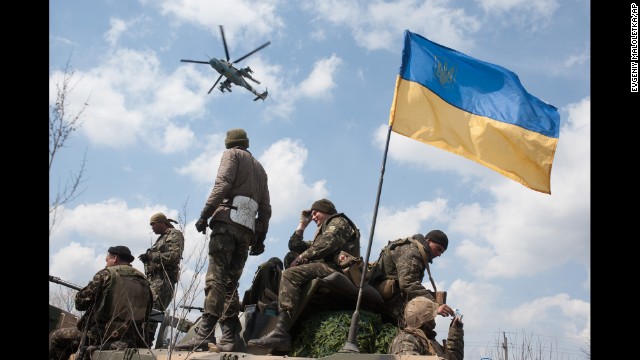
[
  {"x": 438, "y": 237},
  {"x": 121, "y": 251},
  {"x": 325, "y": 206},
  {"x": 236, "y": 137}
]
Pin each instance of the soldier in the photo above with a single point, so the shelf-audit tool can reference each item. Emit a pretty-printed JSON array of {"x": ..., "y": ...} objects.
[
  {"x": 117, "y": 304},
  {"x": 162, "y": 267},
  {"x": 418, "y": 336},
  {"x": 399, "y": 271},
  {"x": 317, "y": 259},
  {"x": 239, "y": 194}
]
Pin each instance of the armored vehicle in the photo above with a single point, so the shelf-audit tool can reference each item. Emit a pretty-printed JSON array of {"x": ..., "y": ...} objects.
[{"x": 331, "y": 295}]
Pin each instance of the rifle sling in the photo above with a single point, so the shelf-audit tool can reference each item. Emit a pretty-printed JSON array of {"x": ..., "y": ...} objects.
[{"x": 425, "y": 261}]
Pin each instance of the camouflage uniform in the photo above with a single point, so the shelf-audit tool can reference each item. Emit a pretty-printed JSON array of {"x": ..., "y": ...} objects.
[
  {"x": 336, "y": 233},
  {"x": 402, "y": 262},
  {"x": 239, "y": 174},
  {"x": 104, "y": 316},
  {"x": 412, "y": 341},
  {"x": 240, "y": 208},
  {"x": 163, "y": 270}
]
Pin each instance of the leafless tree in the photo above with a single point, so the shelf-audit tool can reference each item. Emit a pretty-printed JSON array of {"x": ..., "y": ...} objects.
[
  {"x": 512, "y": 346},
  {"x": 587, "y": 350},
  {"x": 64, "y": 298},
  {"x": 62, "y": 126}
]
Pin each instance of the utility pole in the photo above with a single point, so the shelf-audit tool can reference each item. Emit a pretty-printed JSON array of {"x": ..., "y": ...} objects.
[{"x": 505, "y": 347}]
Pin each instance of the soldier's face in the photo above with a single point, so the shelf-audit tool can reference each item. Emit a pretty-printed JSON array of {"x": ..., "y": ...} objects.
[
  {"x": 158, "y": 227},
  {"x": 111, "y": 259},
  {"x": 436, "y": 249},
  {"x": 318, "y": 217}
]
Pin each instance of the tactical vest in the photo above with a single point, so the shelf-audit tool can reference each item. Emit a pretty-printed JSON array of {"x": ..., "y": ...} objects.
[
  {"x": 352, "y": 246},
  {"x": 384, "y": 274},
  {"x": 125, "y": 301}
]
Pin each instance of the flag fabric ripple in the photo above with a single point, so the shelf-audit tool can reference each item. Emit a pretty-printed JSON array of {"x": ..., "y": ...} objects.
[{"x": 474, "y": 109}]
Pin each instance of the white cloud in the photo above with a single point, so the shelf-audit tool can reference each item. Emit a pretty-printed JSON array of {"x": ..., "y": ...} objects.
[
  {"x": 118, "y": 26},
  {"x": 320, "y": 81},
  {"x": 377, "y": 25}
]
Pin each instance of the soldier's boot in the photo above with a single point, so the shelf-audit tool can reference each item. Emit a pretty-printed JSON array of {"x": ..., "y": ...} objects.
[
  {"x": 203, "y": 337},
  {"x": 279, "y": 339},
  {"x": 230, "y": 329}
]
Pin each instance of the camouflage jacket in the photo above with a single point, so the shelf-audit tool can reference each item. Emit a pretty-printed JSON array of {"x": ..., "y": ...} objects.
[
  {"x": 165, "y": 255},
  {"x": 412, "y": 341},
  {"x": 335, "y": 234},
  {"x": 239, "y": 174},
  {"x": 401, "y": 260}
]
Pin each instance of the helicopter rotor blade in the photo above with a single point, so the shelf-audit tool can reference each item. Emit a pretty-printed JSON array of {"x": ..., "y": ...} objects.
[
  {"x": 195, "y": 61},
  {"x": 253, "y": 52},
  {"x": 215, "y": 83},
  {"x": 224, "y": 42}
]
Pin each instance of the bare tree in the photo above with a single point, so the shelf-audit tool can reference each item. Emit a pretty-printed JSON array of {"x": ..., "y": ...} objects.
[
  {"x": 63, "y": 298},
  {"x": 61, "y": 128},
  {"x": 511, "y": 346}
]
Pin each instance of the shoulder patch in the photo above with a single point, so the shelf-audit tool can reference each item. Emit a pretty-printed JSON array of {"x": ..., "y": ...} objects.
[{"x": 331, "y": 228}]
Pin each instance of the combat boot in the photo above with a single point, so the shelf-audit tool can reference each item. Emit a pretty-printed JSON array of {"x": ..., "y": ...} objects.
[
  {"x": 279, "y": 338},
  {"x": 230, "y": 329},
  {"x": 203, "y": 337}
]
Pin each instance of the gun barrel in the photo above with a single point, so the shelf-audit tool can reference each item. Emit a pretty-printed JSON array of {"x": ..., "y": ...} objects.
[
  {"x": 192, "y": 308},
  {"x": 57, "y": 280}
]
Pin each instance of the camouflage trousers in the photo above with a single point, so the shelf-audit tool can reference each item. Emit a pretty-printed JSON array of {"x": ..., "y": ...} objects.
[
  {"x": 64, "y": 342},
  {"x": 162, "y": 289},
  {"x": 228, "y": 252},
  {"x": 294, "y": 278}
]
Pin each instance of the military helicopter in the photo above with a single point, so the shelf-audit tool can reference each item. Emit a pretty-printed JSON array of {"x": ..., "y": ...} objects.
[{"x": 231, "y": 73}]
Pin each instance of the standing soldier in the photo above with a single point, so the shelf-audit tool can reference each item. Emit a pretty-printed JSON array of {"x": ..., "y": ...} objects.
[
  {"x": 162, "y": 266},
  {"x": 317, "y": 259},
  {"x": 239, "y": 194}
]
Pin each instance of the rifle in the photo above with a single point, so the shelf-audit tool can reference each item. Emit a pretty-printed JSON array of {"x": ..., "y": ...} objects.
[
  {"x": 57, "y": 280},
  {"x": 192, "y": 308}
]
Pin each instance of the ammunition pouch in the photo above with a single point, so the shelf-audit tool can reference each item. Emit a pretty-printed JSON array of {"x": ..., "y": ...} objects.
[{"x": 388, "y": 288}]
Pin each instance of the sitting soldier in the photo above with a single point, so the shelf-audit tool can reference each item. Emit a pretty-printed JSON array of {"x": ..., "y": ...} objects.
[{"x": 117, "y": 304}]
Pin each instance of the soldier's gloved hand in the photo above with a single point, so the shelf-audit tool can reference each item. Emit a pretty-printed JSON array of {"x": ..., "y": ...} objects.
[
  {"x": 144, "y": 258},
  {"x": 201, "y": 225},
  {"x": 305, "y": 217},
  {"x": 298, "y": 261},
  {"x": 258, "y": 248}
]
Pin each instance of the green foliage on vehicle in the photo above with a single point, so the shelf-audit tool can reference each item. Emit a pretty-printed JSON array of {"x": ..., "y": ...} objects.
[{"x": 326, "y": 333}]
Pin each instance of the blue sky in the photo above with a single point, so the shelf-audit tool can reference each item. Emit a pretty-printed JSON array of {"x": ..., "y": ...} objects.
[{"x": 518, "y": 261}]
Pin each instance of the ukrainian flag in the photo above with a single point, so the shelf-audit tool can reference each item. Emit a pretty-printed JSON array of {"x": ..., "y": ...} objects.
[{"x": 474, "y": 109}]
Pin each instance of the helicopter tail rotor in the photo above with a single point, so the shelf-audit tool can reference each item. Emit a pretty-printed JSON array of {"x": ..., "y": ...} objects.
[{"x": 262, "y": 96}]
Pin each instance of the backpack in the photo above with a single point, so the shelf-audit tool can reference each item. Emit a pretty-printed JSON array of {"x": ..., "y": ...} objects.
[{"x": 265, "y": 283}]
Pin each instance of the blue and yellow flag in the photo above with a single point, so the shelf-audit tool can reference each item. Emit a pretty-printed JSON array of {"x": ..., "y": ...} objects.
[{"x": 474, "y": 109}]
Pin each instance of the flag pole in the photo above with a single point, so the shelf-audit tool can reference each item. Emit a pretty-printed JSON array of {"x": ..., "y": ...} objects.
[{"x": 351, "y": 346}]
